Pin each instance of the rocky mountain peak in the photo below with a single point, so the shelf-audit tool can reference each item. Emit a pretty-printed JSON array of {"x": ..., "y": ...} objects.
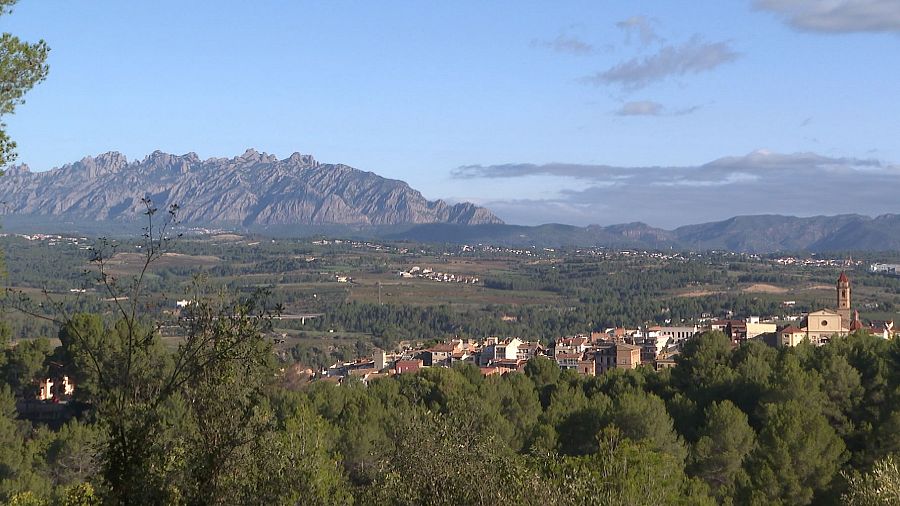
[
  {"x": 17, "y": 170},
  {"x": 302, "y": 160},
  {"x": 102, "y": 164},
  {"x": 253, "y": 156}
]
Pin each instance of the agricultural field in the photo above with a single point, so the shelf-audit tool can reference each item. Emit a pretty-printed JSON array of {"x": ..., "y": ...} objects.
[{"x": 362, "y": 294}]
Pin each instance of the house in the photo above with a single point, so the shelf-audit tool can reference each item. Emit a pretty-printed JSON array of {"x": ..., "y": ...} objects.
[
  {"x": 508, "y": 350},
  {"x": 676, "y": 334},
  {"x": 883, "y": 328},
  {"x": 379, "y": 359},
  {"x": 568, "y": 360},
  {"x": 666, "y": 360},
  {"x": 577, "y": 344},
  {"x": 628, "y": 356},
  {"x": 68, "y": 386},
  {"x": 604, "y": 357},
  {"x": 616, "y": 356},
  {"x": 408, "y": 366},
  {"x": 509, "y": 365},
  {"x": 440, "y": 354},
  {"x": 495, "y": 349},
  {"x": 586, "y": 367},
  {"x": 756, "y": 328},
  {"x": 790, "y": 336},
  {"x": 529, "y": 350}
]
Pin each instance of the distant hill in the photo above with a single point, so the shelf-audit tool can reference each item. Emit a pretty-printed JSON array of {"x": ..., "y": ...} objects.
[
  {"x": 747, "y": 234},
  {"x": 251, "y": 190},
  {"x": 765, "y": 233}
]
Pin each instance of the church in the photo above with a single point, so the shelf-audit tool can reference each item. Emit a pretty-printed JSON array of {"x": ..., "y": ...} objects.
[{"x": 820, "y": 326}]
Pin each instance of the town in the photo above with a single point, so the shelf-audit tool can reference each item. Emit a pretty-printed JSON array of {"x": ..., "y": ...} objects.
[{"x": 594, "y": 353}]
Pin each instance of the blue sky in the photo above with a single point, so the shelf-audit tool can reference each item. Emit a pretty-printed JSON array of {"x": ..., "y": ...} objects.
[{"x": 577, "y": 112}]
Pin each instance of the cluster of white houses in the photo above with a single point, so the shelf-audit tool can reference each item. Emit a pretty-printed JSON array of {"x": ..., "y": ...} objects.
[
  {"x": 445, "y": 277},
  {"x": 595, "y": 353}
]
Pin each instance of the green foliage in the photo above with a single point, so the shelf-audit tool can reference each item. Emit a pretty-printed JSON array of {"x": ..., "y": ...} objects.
[
  {"x": 621, "y": 472},
  {"x": 725, "y": 441},
  {"x": 25, "y": 365},
  {"x": 22, "y": 65},
  {"x": 438, "y": 462},
  {"x": 27, "y": 499},
  {"x": 798, "y": 453},
  {"x": 880, "y": 487},
  {"x": 643, "y": 417}
]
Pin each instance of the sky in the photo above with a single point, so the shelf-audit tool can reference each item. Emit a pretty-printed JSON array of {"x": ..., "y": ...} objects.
[{"x": 578, "y": 112}]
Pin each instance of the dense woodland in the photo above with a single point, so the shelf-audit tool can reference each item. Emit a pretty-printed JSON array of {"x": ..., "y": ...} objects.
[{"x": 214, "y": 423}]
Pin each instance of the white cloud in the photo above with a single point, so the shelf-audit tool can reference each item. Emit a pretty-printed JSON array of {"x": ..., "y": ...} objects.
[
  {"x": 651, "y": 108},
  {"x": 837, "y": 16},
  {"x": 760, "y": 182},
  {"x": 641, "y": 108},
  {"x": 565, "y": 44},
  {"x": 692, "y": 57},
  {"x": 641, "y": 26}
]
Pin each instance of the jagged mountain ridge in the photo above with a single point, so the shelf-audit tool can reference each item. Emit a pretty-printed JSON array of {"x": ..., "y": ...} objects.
[{"x": 251, "y": 190}]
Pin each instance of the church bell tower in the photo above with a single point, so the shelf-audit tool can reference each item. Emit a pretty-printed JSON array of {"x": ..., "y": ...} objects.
[{"x": 843, "y": 297}]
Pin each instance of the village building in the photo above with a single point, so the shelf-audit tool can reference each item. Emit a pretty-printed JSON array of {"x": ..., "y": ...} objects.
[
  {"x": 440, "y": 354},
  {"x": 615, "y": 356},
  {"x": 819, "y": 327},
  {"x": 666, "y": 360},
  {"x": 577, "y": 344},
  {"x": 676, "y": 334},
  {"x": 408, "y": 366}
]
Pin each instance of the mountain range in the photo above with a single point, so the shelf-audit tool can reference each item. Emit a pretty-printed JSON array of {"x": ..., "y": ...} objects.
[
  {"x": 247, "y": 191},
  {"x": 297, "y": 196}
]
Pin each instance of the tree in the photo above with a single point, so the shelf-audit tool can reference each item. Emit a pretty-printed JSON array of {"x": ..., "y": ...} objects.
[
  {"x": 139, "y": 392},
  {"x": 880, "y": 487},
  {"x": 22, "y": 65},
  {"x": 292, "y": 463},
  {"x": 725, "y": 441},
  {"x": 843, "y": 389},
  {"x": 25, "y": 365},
  {"x": 517, "y": 400},
  {"x": 544, "y": 373},
  {"x": 439, "y": 461},
  {"x": 798, "y": 453},
  {"x": 620, "y": 473},
  {"x": 11, "y": 442},
  {"x": 704, "y": 371},
  {"x": 71, "y": 455},
  {"x": 643, "y": 417}
]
